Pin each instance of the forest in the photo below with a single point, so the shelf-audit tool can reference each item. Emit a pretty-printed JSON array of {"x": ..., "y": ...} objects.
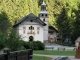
[{"x": 64, "y": 15}]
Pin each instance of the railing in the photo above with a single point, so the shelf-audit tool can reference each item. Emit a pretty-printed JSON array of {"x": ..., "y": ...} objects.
[{"x": 17, "y": 55}]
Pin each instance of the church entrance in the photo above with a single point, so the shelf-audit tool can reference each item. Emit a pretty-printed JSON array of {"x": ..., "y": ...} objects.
[{"x": 31, "y": 38}]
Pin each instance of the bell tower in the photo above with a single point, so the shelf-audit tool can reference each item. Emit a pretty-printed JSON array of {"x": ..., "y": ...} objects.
[{"x": 43, "y": 15}]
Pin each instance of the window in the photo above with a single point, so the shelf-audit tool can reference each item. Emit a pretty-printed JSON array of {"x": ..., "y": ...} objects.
[
  {"x": 44, "y": 19},
  {"x": 46, "y": 15},
  {"x": 42, "y": 14},
  {"x": 31, "y": 20},
  {"x": 31, "y": 28},
  {"x": 38, "y": 28},
  {"x": 44, "y": 8},
  {"x": 51, "y": 33}
]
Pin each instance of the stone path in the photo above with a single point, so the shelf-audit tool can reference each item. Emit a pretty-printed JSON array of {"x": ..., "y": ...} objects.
[{"x": 55, "y": 56}]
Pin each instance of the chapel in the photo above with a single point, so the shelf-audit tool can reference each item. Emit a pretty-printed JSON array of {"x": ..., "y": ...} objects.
[{"x": 36, "y": 28}]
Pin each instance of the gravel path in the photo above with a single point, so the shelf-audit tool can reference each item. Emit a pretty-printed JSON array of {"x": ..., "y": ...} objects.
[{"x": 55, "y": 56}]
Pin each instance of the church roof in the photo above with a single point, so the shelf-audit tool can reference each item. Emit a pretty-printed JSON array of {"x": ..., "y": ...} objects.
[
  {"x": 51, "y": 27},
  {"x": 30, "y": 16},
  {"x": 45, "y": 12},
  {"x": 78, "y": 39},
  {"x": 43, "y": 3}
]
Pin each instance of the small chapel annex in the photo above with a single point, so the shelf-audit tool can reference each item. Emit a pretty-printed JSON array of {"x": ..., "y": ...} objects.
[{"x": 35, "y": 28}]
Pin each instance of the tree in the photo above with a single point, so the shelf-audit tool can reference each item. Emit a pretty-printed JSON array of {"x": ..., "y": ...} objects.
[
  {"x": 5, "y": 27},
  {"x": 63, "y": 24},
  {"x": 2, "y": 41},
  {"x": 4, "y": 24},
  {"x": 76, "y": 33},
  {"x": 40, "y": 2},
  {"x": 14, "y": 41}
]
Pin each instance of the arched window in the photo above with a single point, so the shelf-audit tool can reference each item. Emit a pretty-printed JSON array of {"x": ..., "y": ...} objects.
[
  {"x": 44, "y": 19},
  {"x": 31, "y": 20},
  {"x": 46, "y": 15},
  {"x": 42, "y": 15},
  {"x": 31, "y": 28}
]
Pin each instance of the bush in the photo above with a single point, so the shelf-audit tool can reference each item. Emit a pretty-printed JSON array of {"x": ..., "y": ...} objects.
[
  {"x": 36, "y": 45},
  {"x": 14, "y": 42},
  {"x": 28, "y": 45}
]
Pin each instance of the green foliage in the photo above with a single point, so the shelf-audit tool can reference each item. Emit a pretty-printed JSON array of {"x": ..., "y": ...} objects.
[
  {"x": 76, "y": 25},
  {"x": 14, "y": 10},
  {"x": 28, "y": 45},
  {"x": 4, "y": 24},
  {"x": 40, "y": 2},
  {"x": 67, "y": 21},
  {"x": 36, "y": 45},
  {"x": 14, "y": 42},
  {"x": 4, "y": 29},
  {"x": 63, "y": 24},
  {"x": 2, "y": 41}
]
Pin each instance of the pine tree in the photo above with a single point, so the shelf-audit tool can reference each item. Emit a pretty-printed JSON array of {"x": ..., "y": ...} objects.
[
  {"x": 76, "y": 33},
  {"x": 4, "y": 24},
  {"x": 63, "y": 24}
]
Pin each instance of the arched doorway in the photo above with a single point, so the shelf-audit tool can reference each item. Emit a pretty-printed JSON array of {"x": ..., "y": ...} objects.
[{"x": 31, "y": 38}]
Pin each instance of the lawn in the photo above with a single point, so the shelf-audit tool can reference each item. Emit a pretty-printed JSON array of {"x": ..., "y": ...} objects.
[
  {"x": 55, "y": 52},
  {"x": 41, "y": 58}
]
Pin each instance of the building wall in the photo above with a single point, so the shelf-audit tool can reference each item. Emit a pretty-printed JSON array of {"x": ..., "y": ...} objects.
[
  {"x": 53, "y": 36},
  {"x": 25, "y": 32},
  {"x": 45, "y": 27}
]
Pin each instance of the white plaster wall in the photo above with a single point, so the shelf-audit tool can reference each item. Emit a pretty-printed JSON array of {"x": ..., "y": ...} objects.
[
  {"x": 45, "y": 34},
  {"x": 45, "y": 28},
  {"x": 35, "y": 24},
  {"x": 39, "y": 36},
  {"x": 77, "y": 44}
]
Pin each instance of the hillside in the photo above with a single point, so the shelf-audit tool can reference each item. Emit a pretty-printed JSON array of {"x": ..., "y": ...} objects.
[{"x": 63, "y": 14}]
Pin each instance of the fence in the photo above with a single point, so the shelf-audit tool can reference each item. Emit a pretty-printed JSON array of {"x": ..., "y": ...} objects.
[
  {"x": 60, "y": 48},
  {"x": 17, "y": 55}
]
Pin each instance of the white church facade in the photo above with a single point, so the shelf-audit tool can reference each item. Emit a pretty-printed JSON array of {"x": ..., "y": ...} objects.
[{"x": 36, "y": 28}]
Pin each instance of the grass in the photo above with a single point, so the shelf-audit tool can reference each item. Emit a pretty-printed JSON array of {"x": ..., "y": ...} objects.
[
  {"x": 55, "y": 52},
  {"x": 41, "y": 58}
]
